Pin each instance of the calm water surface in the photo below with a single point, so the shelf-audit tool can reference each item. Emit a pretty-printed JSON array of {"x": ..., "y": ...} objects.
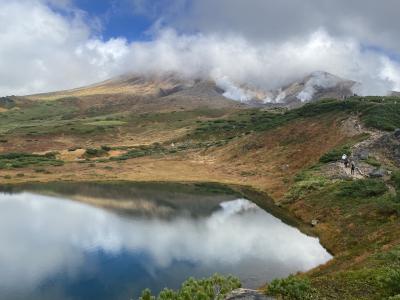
[{"x": 127, "y": 237}]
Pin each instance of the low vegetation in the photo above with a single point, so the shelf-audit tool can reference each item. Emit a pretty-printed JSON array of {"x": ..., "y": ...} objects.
[
  {"x": 384, "y": 116},
  {"x": 390, "y": 282},
  {"x": 94, "y": 152},
  {"x": 335, "y": 154},
  {"x": 21, "y": 160},
  {"x": 376, "y": 114},
  {"x": 396, "y": 182},
  {"x": 291, "y": 288},
  {"x": 363, "y": 188},
  {"x": 213, "y": 288}
]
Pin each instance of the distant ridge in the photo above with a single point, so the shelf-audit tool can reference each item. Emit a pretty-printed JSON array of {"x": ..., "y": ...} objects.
[{"x": 171, "y": 91}]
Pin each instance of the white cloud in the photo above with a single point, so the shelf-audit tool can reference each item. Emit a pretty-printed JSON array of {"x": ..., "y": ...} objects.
[
  {"x": 58, "y": 51},
  {"x": 373, "y": 22},
  {"x": 233, "y": 59},
  {"x": 44, "y": 50}
]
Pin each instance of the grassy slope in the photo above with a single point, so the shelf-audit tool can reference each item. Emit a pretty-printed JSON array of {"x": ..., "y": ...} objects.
[{"x": 264, "y": 150}]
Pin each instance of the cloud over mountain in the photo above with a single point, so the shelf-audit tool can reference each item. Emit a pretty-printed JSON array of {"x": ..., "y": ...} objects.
[{"x": 266, "y": 46}]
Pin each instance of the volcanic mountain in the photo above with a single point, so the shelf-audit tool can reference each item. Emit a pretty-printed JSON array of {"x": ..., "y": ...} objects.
[{"x": 172, "y": 92}]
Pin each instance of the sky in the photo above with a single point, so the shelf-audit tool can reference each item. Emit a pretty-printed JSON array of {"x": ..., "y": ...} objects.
[{"x": 48, "y": 45}]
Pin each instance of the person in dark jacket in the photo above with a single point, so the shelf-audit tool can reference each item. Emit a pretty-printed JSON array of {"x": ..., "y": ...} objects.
[{"x": 352, "y": 166}]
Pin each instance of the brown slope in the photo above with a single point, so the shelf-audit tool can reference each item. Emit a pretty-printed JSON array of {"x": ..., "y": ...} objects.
[{"x": 146, "y": 94}]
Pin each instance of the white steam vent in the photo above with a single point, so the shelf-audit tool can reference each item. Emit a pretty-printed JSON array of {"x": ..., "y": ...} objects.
[
  {"x": 233, "y": 91},
  {"x": 317, "y": 80}
]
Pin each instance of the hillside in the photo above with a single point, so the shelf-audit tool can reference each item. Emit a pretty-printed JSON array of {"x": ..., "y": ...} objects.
[
  {"x": 169, "y": 130},
  {"x": 140, "y": 93}
]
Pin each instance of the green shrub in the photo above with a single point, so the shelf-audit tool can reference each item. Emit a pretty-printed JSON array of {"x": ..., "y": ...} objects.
[
  {"x": 106, "y": 148},
  {"x": 215, "y": 287},
  {"x": 93, "y": 152},
  {"x": 373, "y": 161},
  {"x": 396, "y": 183},
  {"x": 291, "y": 288},
  {"x": 305, "y": 184},
  {"x": 335, "y": 154},
  {"x": 51, "y": 155},
  {"x": 390, "y": 281},
  {"x": 22, "y": 160},
  {"x": 146, "y": 295},
  {"x": 387, "y": 206},
  {"x": 362, "y": 188},
  {"x": 383, "y": 116},
  {"x": 392, "y": 256},
  {"x": 396, "y": 180}
]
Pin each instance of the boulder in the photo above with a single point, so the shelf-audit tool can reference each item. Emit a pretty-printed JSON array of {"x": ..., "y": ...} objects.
[
  {"x": 389, "y": 146},
  {"x": 363, "y": 154},
  {"x": 377, "y": 173},
  {"x": 246, "y": 294},
  {"x": 397, "y": 133}
]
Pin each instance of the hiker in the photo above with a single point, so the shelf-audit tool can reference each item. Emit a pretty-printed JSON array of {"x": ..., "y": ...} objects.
[
  {"x": 353, "y": 167},
  {"x": 345, "y": 160}
]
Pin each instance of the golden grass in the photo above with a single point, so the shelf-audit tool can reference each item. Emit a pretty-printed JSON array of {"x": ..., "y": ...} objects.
[
  {"x": 107, "y": 88},
  {"x": 269, "y": 168}
]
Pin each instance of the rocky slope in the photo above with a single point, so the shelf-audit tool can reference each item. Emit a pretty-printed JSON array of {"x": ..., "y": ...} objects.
[{"x": 318, "y": 85}]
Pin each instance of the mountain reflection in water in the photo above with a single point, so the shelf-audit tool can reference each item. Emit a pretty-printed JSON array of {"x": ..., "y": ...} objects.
[{"x": 55, "y": 248}]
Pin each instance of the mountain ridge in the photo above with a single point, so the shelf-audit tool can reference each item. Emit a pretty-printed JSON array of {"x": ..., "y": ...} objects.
[{"x": 220, "y": 92}]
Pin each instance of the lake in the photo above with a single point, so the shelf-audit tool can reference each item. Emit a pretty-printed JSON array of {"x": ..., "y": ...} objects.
[{"x": 110, "y": 241}]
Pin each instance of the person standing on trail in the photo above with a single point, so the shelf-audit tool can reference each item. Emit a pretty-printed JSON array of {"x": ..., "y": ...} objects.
[
  {"x": 353, "y": 167},
  {"x": 345, "y": 160}
]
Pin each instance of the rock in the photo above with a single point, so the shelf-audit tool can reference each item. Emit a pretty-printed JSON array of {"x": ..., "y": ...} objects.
[
  {"x": 397, "y": 133},
  {"x": 363, "y": 154},
  {"x": 377, "y": 173},
  {"x": 389, "y": 147},
  {"x": 314, "y": 222},
  {"x": 246, "y": 294},
  {"x": 284, "y": 167},
  {"x": 7, "y": 102}
]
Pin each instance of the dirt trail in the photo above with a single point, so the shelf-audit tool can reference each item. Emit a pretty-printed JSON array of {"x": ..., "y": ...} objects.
[
  {"x": 374, "y": 136},
  {"x": 352, "y": 127},
  {"x": 357, "y": 173}
]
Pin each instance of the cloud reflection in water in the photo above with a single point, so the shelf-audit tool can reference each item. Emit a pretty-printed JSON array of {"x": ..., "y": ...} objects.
[{"x": 42, "y": 236}]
